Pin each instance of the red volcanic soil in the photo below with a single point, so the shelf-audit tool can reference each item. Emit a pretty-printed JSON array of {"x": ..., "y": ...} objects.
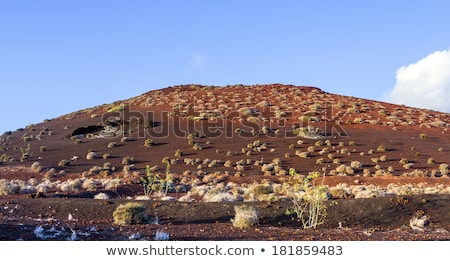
[
  {"x": 223, "y": 136},
  {"x": 382, "y": 218}
]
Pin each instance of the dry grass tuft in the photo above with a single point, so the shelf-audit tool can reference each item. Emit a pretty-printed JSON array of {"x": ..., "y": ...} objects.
[{"x": 245, "y": 216}]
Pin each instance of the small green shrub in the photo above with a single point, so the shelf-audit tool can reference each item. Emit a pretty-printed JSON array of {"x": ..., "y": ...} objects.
[
  {"x": 148, "y": 143},
  {"x": 192, "y": 135},
  {"x": 422, "y": 136},
  {"x": 112, "y": 144},
  {"x": 115, "y": 109},
  {"x": 381, "y": 148},
  {"x": 50, "y": 173},
  {"x": 403, "y": 161},
  {"x": 130, "y": 213},
  {"x": 63, "y": 163},
  {"x": 197, "y": 146},
  {"x": 443, "y": 168},
  {"x": 178, "y": 153},
  {"x": 166, "y": 160},
  {"x": 36, "y": 166},
  {"x": 127, "y": 160}
]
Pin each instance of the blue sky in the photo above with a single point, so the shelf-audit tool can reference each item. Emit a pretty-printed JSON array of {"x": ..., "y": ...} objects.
[{"x": 57, "y": 57}]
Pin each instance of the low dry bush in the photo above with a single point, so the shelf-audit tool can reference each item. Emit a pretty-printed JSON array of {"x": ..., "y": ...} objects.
[
  {"x": 245, "y": 216},
  {"x": 130, "y": 213}
]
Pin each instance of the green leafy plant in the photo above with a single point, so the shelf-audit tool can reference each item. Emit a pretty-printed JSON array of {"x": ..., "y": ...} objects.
[
  {"x": 154, "y": 183},
  {"x": 308, "y": 197},
  {"x": 151, "y": 182}
]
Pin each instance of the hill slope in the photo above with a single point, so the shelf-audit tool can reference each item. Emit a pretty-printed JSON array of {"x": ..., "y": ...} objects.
[{"x": 239, "y": 134}]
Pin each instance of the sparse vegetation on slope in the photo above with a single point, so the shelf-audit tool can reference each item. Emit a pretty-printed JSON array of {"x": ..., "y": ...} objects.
[{"x": 232, "y": 143}]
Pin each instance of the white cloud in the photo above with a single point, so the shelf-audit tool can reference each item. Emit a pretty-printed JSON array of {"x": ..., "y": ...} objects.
[
  {"x": 424, "y": 84},
  {"x": 199, "y": 60}
]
